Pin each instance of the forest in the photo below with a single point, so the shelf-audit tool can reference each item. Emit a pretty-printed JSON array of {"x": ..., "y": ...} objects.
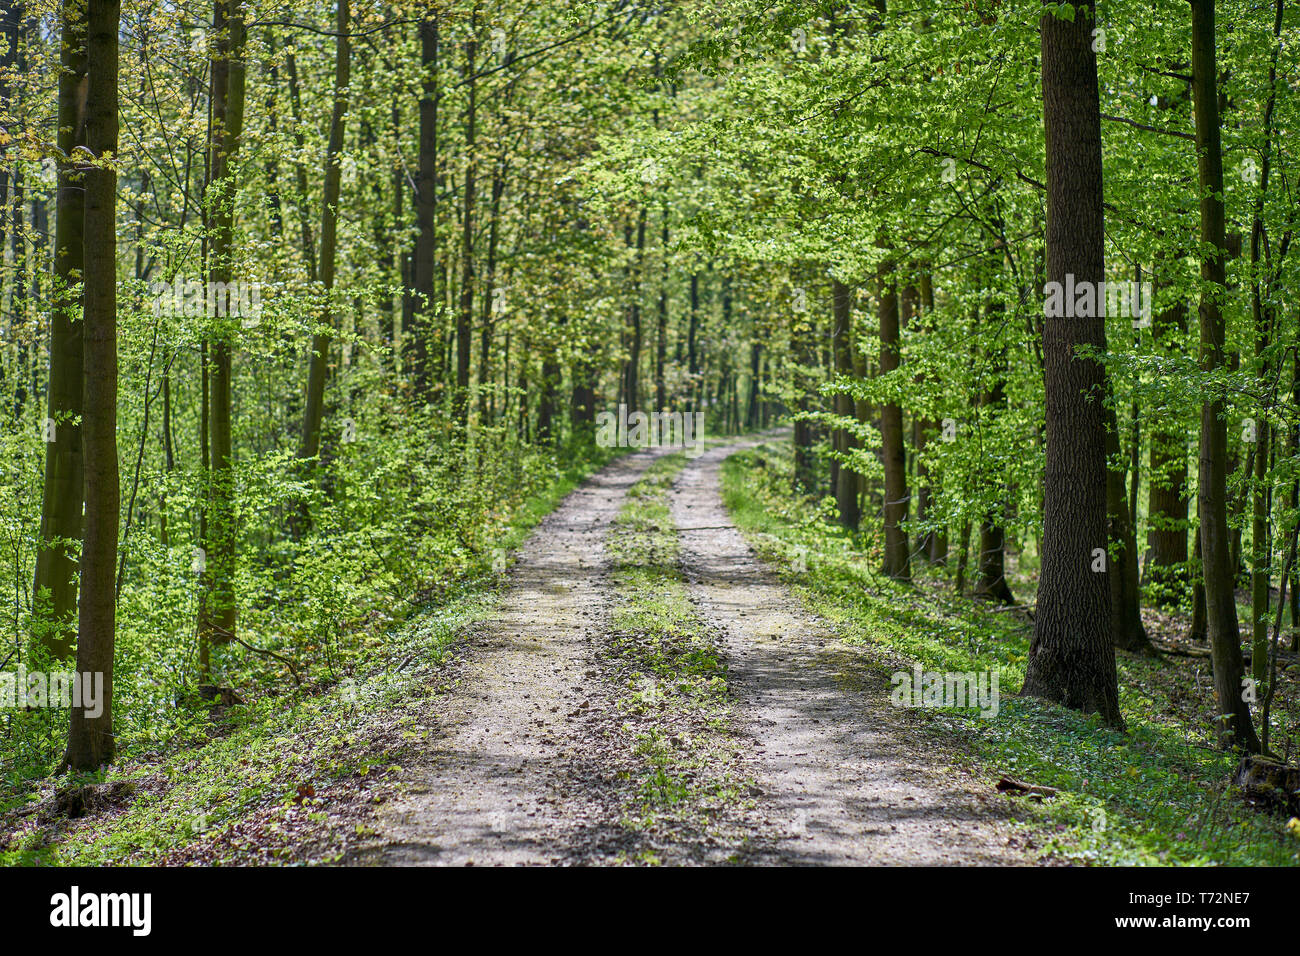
[{"x": 759, "y": 432}]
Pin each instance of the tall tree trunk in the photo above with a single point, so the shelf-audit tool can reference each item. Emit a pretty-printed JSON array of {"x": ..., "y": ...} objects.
[
  {"x": 465, "y": 318},
  {"x": 1264, "y": 319},
  {"x": 90, "y": 736},
  {"x": 692, "y": 347},
  {"x": 318, "y": 370},
  {"x": 300, "y": 167},
  {"x": 897, "y": 563},
  {"x": 1071, "y": 659},
  {"x": 423, "y": 304},
  {"x": 1166, "y": 567},
  {"x": 1199, "y": 629},
  {"x": 632, "y": 388},
  {"x": 959, "y": 584},
  {"x": 1260, "y": 550},
  {"x": 1127, "y": 630},
  {"x": 661, "y": 323},
  {"x": 935, "y": 542},
  {"x": 546, "y": 406},
  {"x": 1235, "y": 727},
  {"x": 1295, "y": 504},
  {"x": 55, "y": 585},
  {"x": 583, "y": 412},
  {"x": 991, "y": 566},
  {"x": 803, "y": 347},
  {"x": 227, "y": 76},
  {"x": 846, "y": 480},
  {"x": 752, "y": 417},
  {"x": 486, "y": 399}
]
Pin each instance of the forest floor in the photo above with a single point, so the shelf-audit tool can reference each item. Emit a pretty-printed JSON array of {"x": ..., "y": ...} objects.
[
  {"x": 650, "y": 692},
  {"x": 687, "y": 663}
]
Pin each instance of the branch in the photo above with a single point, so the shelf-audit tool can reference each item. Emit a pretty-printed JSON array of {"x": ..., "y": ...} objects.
[{"x": 1149, "y": 129}]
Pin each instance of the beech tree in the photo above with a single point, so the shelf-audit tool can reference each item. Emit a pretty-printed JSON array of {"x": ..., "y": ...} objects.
[
  {"x": 476, "y": 226},
  {"x": 61, "y": 502},
  {"x": 1072, "y": 660},
  {"x": 1220, "y": 602},
  {"x": 90, "y": 738}
]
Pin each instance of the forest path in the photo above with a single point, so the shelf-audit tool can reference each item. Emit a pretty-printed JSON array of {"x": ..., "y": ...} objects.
[
  {"x": 526, "y": 765},
  {"x": 514, "y": 778},
  {"x": 844, "y": 777}
]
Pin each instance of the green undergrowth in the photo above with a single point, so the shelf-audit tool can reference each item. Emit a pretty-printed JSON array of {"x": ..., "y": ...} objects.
[
  {"x": 279, "y": 773},
  {"x": 1158, "y": 793}
]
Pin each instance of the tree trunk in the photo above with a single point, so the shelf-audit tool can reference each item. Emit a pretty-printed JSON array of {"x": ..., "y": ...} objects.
[
  {"x": 1071, "y": 658},
  {"x": 422, "y": 304},
  {"x": 1235, "y": 727},
  {"x": 692, "y": 352},
  {"x": 55, "y": 586},
  {"x": 486, "y": 399},
  {"x": 546, "y": 406},
  {"x": 90, "y": 738},
  {"x": 963, "y": 558},
  {"x": 1264, "y": 319},
  {"x": 846, "y": 480},
  {"x": 802, "y": 345},
  {"x": 218, "y": 606},
  {"x": 318, "y": 371},
  {"x": 752, "y": 419},
  {"x": 632, "y": 370},
  {"x": 1167, "y": 488},
  {"x": 1127, "y": 630},
  {"x": 991, "y": 577},
  {"x": 661, "y": 323},
  {"x": 465, "y": 318},
  {"x": 300, "y": 168},
  {"x": 1260, "y": 556},
  {"x": 897, "y": 563}
]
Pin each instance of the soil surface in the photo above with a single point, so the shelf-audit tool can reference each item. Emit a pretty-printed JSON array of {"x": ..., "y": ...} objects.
[
  {"x": 530, "y": 758},
  {"x": 844, "y": 775}
]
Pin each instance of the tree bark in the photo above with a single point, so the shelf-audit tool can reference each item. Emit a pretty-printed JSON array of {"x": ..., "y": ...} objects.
[
  {"x": 897, "y": 558},
  {"x": 753, "y": 417},
  {"x": 318, "y": 370},
  {"x": 846, "y": 480},
  {"x": 991, "y": 562},
  {"x": 218, "y": 607},
  {"x": 1127, "y": 630},
  {"x": 465, "y": 317},
  {"x": 486, "y": 398},
  {"x": 1264, "y": 320},
  {"x": 423, "y": 303},
  {"x": 1166, "y": 567},
  {"x": 802, "y": 345},
  {"x": 692, "y": 348},
  {"x": 90, "y": 738},
  {"x": 55, "y": 586},
  {"x": 1071, "y": 658},
  {"x": 632, "y": 368},
  {"x": 1235, "y": 727}
]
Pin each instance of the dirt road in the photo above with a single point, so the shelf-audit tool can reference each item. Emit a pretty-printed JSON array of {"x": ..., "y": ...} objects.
[{"x": 530, "y": 759}]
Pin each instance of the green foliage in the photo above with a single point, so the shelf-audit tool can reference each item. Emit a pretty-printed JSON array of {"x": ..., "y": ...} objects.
[{"x": 368, "y": 661}]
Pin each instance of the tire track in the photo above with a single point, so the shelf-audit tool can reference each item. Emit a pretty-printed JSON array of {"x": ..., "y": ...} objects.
[
  {"x": 515, "y": 774},
  {"x": 841, "y": 777}
]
